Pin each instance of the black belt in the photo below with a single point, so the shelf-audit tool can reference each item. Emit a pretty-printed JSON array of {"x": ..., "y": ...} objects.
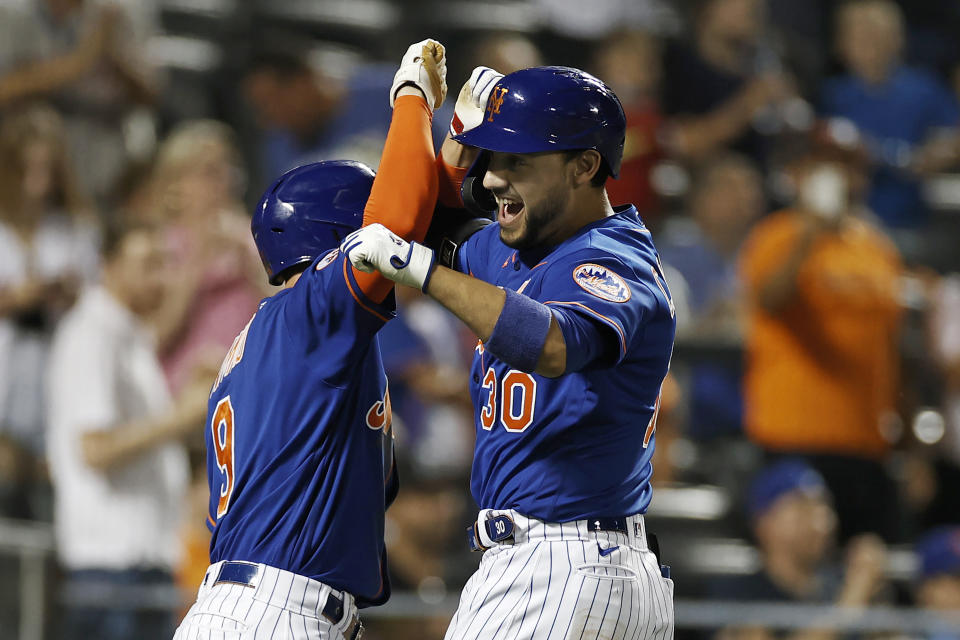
[{"x": 244, "y": 572}]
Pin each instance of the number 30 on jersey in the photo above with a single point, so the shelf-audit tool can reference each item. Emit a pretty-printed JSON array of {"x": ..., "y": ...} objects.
[{"x": 515, "y": 396}]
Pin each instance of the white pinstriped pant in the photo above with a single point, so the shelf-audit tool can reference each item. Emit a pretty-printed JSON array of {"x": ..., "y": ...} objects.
[
  {"x": 554, "y": 583},
  {"x": 279, "y": 606}
]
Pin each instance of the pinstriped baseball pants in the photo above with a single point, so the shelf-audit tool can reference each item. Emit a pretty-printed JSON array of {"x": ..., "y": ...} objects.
[
  {"x": 280, "y": 606},
  {"x": 562, "y": 581}
]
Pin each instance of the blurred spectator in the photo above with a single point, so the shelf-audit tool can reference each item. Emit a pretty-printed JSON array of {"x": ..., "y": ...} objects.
[
  {"x": 945, "y": 341},
  {"x": 727, "y": 88},
  {"x": 505, "y": 52},
  {"x": 194, "y": 533},
  {"x": 907, "y": 117},
  {"x": 88, "y": 58},
  {"x": 629, "y": 62},
  {"x": 822, "y": 360},
  {"x": 198, "y": 183},
  {"x": 726, "y": 198},
  {"x": 16, "y": 476},
  {"x": 119, "y": 473},
  {"x": 794, "y": 524},
  {"x": 427, "y": 359},
  {"x": 48, "y": 246},
  {"x": 574, "y": 29},
  {"x": 938, "y": 584},
  {"x": 308, "y": 113}
]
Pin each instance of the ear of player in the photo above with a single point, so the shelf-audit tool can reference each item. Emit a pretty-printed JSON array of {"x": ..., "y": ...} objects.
[
  {"x": 376, "y": 248},
  {"x": 424, "y": 66}
]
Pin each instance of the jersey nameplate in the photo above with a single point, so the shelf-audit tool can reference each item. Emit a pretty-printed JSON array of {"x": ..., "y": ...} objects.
[{"x": 233, "y": 356}]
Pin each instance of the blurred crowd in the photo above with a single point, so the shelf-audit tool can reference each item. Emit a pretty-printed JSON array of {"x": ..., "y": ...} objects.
[{"x": 798, "y": 164}]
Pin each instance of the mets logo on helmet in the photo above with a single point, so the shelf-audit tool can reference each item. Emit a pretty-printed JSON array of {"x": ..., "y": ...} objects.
[
  {"x": 496, "y": 101},
  {"x": 601, "y": 282}
]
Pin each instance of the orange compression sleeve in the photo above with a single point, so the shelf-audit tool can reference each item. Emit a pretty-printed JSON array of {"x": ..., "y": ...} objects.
[
  {"x": 405, "y": 190},
  {"x": 451, "y": 179}
]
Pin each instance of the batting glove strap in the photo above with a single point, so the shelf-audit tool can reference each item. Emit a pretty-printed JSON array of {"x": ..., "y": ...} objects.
[
  {"x": 416, "y": 268},
  {"x": 376, "y": 248},
  {"x": 420, "y": 69},
  {"x": 472, "y": 99}
]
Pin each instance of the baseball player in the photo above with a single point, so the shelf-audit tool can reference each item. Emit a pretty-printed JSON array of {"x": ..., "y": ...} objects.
[
  {"x": 577, "y": 328},
  {"x": 299, "y": 436}
]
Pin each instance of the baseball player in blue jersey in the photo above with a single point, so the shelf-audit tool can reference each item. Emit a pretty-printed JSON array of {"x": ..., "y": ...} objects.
[
  {"x": 299, "y": 437},
  {"x": 577, "y": 328}
]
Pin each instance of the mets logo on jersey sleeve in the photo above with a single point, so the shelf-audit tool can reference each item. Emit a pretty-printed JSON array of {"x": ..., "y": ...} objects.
[
  {"x": 601, "y": 282},
  {"x": 327, "y": 259}
]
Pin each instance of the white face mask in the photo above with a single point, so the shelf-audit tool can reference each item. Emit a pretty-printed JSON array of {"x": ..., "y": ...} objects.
[{"x": 824, "y": 191}]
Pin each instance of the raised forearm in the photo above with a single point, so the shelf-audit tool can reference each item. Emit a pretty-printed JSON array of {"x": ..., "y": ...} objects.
[
  {"x": 479, "y": 305},
  {"x": 44, "y": 77},
  {"x": 111, "y": 448},
  {"x": 778, "y": 289}
]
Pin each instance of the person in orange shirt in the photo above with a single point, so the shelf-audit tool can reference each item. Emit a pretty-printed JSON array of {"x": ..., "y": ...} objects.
[{"x": 823, "y": 322}]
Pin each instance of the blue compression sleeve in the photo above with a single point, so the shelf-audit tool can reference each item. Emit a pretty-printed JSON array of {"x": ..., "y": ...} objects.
[{"x": 520, "y": 332}]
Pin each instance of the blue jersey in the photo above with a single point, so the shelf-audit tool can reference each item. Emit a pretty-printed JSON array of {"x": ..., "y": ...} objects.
[
  {"x": 298, "y": 436},
  {"x": 577, "y": 446}
]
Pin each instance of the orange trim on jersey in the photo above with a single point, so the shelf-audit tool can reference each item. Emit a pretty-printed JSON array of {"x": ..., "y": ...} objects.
[
  {"x": 614, "y": 323},
  {"x": 346, "y": 278},
  {"x": 210, "y": 520},
  {"x": 505, "y": 263},
  {"x": 539, "y": 265}
]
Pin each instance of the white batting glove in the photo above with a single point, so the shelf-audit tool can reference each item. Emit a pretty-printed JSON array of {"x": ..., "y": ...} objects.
[
  {"x": 376, "y": 248},
  {"x": 472, "y": 100},
  {"x": 424, "y": 65}
]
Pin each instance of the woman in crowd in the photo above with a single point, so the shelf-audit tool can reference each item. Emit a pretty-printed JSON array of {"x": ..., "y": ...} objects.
[
  {"x": 48, "y": 245},
  {"x": 198, "y": 183}
]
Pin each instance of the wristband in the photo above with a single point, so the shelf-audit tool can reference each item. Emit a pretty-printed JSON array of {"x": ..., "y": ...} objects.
[{"x": 520, "y": 332}]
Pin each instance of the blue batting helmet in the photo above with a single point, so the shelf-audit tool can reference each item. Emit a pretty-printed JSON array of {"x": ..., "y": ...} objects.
[
  {"x": 551, "y": 109},
  {"x": 308, "y": 211}
]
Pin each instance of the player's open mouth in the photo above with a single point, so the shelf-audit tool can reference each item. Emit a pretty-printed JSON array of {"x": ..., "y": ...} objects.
[{"x": 509, "y": 211}]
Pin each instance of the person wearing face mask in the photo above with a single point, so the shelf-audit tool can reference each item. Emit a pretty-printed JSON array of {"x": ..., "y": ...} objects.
[{"x": 823, "y": 322}]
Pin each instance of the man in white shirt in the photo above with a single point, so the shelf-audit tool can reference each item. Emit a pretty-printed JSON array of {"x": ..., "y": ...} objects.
[{"x": 118, "y": 468}]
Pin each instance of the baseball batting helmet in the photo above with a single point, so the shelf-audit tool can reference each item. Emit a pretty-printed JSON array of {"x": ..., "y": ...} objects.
[
  {"x": 308, "y": 211},
  {"x": 545, "y": 109}
]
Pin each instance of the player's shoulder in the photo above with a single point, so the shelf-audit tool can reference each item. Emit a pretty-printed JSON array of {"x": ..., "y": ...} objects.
[
  {"x": 315, "y": 278},
  {"x": 613, "y": 259},
  {"x": 621, "y": 238}
]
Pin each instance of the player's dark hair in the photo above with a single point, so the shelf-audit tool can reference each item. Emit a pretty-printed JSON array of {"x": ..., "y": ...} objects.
[{"x": 600, "y": 177}]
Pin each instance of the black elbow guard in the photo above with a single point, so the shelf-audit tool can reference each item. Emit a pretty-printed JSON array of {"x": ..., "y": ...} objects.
[{"x": 449, "y": 229}]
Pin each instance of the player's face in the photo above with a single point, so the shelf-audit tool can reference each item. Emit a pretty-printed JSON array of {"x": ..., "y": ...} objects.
[{"x": 532, "y": 192}]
